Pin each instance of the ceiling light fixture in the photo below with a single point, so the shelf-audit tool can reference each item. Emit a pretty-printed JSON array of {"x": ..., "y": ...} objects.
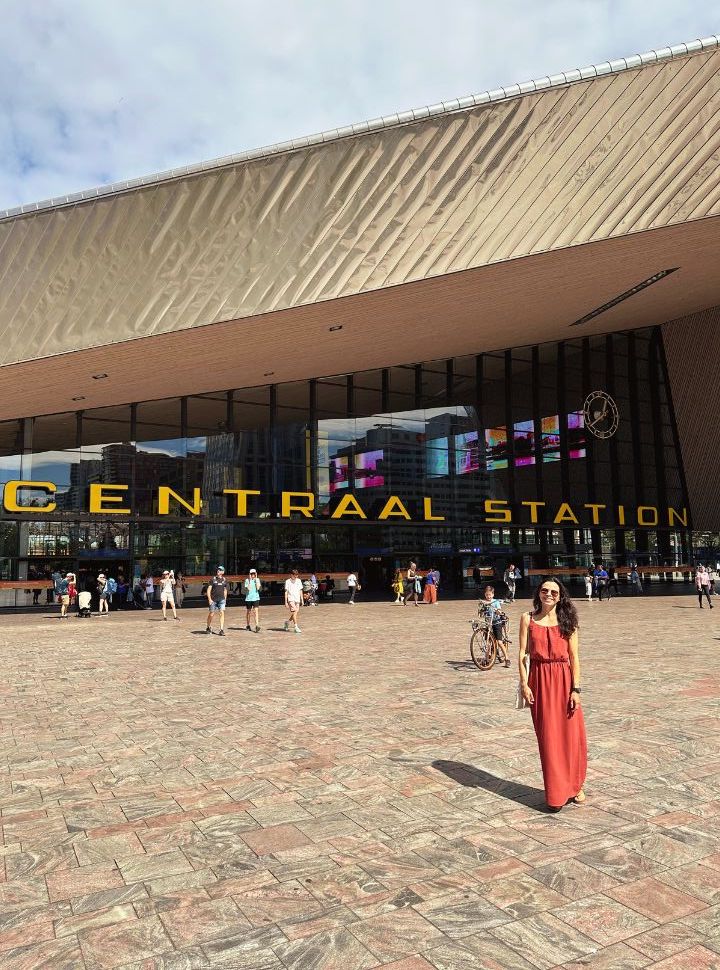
[
  {"x": 99, "y": 377},
  {"x": 79, "y": 398},
  {"x": 338, "y": 326},
  {"x": 268, "y": 373},
  {"x": 625, "y": 296}
]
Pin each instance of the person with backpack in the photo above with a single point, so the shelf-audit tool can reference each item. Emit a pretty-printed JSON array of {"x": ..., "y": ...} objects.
[
  {"x": 104, "y": 594},
  {"x": 63, "y": 593}
]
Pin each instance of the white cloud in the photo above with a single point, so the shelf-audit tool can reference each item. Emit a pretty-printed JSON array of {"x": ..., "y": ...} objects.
[{"x": 96, "y": 92}]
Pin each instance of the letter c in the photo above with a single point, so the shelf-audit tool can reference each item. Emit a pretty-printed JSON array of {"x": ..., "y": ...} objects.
[{"x": 10, "y": 497}]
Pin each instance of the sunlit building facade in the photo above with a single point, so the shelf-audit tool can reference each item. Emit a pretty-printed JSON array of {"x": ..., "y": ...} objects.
[{"x": 480, "y": 333}]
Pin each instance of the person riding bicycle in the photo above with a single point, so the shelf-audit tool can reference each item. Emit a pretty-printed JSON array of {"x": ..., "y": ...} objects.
[{"x": 491, "y": 608}]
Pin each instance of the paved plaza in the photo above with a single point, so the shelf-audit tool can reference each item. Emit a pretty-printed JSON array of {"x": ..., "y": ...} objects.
[{"x": 356, "y": 796}]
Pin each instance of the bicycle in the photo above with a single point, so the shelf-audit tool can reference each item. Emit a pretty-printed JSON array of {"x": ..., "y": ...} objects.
[{"x": 485, "y": 647}]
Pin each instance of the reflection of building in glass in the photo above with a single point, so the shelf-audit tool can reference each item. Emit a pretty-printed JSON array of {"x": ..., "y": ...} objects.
[{"x": 434, "y": 354}]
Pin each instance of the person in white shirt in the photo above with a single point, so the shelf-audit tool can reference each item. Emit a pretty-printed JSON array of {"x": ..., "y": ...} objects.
[
  {"x": 352, "y": 582},
  {"x": 167, "y": 593},
  {"x": 149, "y": 591},
  {"x": 293, "y": 599}
]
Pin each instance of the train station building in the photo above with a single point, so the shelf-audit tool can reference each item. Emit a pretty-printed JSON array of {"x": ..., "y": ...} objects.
[{"x": 478, "y": 332}]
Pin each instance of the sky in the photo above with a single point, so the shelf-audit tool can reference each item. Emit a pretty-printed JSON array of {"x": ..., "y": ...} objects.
[{"x": 98, "y": 91}]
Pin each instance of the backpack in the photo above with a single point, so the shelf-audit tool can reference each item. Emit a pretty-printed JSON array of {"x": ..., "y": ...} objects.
[{"x": 111, "y": 585}]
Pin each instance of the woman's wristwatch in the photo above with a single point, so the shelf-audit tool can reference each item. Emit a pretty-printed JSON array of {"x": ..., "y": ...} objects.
[{"x": 575, "y": 690}]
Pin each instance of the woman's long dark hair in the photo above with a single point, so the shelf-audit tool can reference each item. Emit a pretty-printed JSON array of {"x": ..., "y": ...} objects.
[{"x": 565, "y": 608}]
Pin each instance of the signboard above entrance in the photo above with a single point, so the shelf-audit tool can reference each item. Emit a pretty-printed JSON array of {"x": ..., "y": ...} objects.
[{"x": 30, "y": 498}]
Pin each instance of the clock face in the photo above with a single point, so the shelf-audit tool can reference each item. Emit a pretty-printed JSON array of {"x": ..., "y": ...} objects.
[{"x": 601, "y": 414}]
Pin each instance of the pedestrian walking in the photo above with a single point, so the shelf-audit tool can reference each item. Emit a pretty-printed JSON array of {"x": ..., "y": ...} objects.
[
  {"x": 103, "y": 592},
  {"x": 180, "y": 589},
  {"x": 702, "y": 585},
  {"x": 35, "y": 574},
  {"x": 412, "y": 584},
  {"x": 217, "y": 593},
  {"x": 314, "y": 588},
  {"x": 353, "y": 586},
  {"x": 397, "y": 587},
  {"x": 589, "y": 586},
  {"x": 63, "y": 592},
  {"x": 549, "y": 636},
  {"x": 600, "y": 579},
  {"x": 293, "y": 599},
  {"x": 635, "y": 580},
  {"x": 510, "y": 578},
  {"x": 612, "y": 585},
  {"x": 252, "y": 587},
  {"x": 168, "y": 585},
  {"x": 56, "y": 577},
  {"x": 149, "y": 591},
  {"x": 72, "y": 587},
  {"x": 430, "y": 591},
  {"x": 122, "y": 592}
]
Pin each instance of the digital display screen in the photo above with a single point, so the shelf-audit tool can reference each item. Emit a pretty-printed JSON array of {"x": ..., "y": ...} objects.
[
  {"x": 496, "y": 449},
  {"x": 368, "y": 469},
  {"x": 338, "y": 473},
  {"x": 524, "y": 442},
  {"x": 576, "y": 434},
  {"x": 550, "y": 428},
  {"x": 437, "y": 463},
  {"x": 467, "y": 453}
]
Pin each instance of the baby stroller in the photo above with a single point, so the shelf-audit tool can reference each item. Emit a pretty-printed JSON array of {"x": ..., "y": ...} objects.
[
  {"x": 84, "y": 604},
  {"x": 308, "y": 593}
]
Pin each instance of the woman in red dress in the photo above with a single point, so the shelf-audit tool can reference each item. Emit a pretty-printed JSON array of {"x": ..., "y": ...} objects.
[{"x": 549, "y": 634}]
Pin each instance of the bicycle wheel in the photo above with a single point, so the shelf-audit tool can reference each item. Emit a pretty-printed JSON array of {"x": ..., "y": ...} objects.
[{"x": 482, "y": 649}]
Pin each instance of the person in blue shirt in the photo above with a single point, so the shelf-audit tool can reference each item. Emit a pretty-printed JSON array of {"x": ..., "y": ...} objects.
[
  {"x": 492, "y": 609},
  {"x": 600, "y": 581}
]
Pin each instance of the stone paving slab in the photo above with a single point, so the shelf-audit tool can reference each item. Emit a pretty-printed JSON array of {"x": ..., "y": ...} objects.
[{"x": 356, "y": 796}]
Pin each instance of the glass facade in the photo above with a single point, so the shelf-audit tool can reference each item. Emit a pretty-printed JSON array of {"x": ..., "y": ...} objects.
[{"x": 471, "y": 460}]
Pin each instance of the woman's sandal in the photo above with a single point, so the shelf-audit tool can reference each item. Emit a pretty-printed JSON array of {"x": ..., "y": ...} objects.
[{"x": 580, "y": 797}]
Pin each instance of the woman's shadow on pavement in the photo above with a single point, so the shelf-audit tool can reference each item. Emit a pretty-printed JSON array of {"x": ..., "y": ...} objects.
[{"x": 471, "y": 777}]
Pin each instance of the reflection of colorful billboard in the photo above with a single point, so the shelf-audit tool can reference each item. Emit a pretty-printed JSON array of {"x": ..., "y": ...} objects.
[
  {"x": 576, "y": 434},
  {"x": 550, "y": 438},
  {"x": 524, "y": 442},
  {"x": 323, "y": 464},
  {"x": 496, "y": 448},
  {"x": 467, "y": 453},
  {"x": 437, "y": 464},
  {"x": 338, "y": 473},
  {"x": 367, "y": 472}
]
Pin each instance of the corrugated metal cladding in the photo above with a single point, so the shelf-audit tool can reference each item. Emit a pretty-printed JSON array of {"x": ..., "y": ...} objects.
[
  {"x": 588, "y": 161},
  {"x": 691, "y": 349}
]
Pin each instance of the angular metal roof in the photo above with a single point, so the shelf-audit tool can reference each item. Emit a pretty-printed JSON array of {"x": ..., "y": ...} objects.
[
  {"x": 386, "y": 121},
  {"x": 571, "y": 161}
]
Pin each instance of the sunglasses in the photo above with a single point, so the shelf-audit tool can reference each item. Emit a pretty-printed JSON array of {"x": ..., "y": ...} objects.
[{"x": 555, "y": 593}]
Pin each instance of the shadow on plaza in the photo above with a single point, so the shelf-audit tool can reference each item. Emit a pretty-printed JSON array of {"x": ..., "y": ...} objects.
[{"x": 470, "y": 777}]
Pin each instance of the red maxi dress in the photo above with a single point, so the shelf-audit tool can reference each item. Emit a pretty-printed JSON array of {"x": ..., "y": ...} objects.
[{"x": 560, "y": 731}]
